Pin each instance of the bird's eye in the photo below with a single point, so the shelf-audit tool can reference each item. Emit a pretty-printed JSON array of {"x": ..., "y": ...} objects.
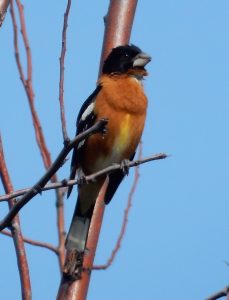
[{"x": 126, "y": 55}]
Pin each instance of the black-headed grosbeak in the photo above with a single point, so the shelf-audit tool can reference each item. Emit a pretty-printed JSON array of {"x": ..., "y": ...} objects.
[{"x": 118, "y": 97}]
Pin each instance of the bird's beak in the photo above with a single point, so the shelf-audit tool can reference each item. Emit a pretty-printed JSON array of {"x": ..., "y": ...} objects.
[{"x": 141, "y": 60}]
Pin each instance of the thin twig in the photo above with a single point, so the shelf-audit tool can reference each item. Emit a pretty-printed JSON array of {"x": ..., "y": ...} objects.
[
  {"x": 61, "y": 83},
  {"x": 60, "y": 195},
  {"x": 16, "y": 231},
  {"x": 90, "y": 178},
  {"x": 34, "y": 243},
  {"x": 223, "y": 293},
  {"x": 125, "y": 218},
  {"x": 27, "y": 82},
  {"x": 98, "y": 127}
]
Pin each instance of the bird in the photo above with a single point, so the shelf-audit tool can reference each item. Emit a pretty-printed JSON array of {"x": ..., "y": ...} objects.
[{"x": 118, "y": 97}]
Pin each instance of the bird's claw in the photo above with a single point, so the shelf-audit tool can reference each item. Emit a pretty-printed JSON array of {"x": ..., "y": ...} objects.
[
  {"x": 125, "y": 166},
  {"x": 104, "y": 131},
  {"x": 82, "y": 180},
  {"x": 104, "y": 128}
]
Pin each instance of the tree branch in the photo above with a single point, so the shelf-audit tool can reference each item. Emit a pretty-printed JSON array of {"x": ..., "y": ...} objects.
[
  {"x": 223, "y": 293},
  {"x": 118, "y": 25},
  {"x": 60, "y": 202},
  {"x": 90, "y": 178},
  {"x": 27, "y": 83},
  {"x": 34, "y": 243},
  {"x": 61, "y": 83},
  {"x": 98, "y": 127},
  {"x": 16, "y": 231}
]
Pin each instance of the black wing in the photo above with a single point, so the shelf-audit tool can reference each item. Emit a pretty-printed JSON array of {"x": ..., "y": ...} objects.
[
  {"x": 85, "y": 120},
  {"x": 114, "y": 181}
]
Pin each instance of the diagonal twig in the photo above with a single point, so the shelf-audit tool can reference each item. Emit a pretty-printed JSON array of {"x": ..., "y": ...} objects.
[
  {"x": 98, "y": 127},
  {"x": 34, "y": 243},
  {"x": 223, "y": 293}
]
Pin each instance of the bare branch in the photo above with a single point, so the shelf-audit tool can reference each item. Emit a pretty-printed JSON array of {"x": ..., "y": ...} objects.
[
  {"x": 61, "y": 83},
  {"x": 16, "y": 49},
  {"x": 98, "y": 127},
  {"x": 118, "y": 25},
  {"x": 60, "y": 225},
  {"x": 27, "y": 83},
  {"x": 59, "y": 202},
  {"x": 16, "y": 231},
  {"x": 90, "y": 178},
  {"x": 223, "y": 293},
  {"x": 34, "y": 243},
  {"x": 3, "y": 9}
]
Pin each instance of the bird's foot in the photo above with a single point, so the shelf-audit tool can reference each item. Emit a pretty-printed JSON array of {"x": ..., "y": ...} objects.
[
  {"x": 82, "y": 179},
  {"x": 105, "y": 129},
  {"x": 125, "y": 166}
]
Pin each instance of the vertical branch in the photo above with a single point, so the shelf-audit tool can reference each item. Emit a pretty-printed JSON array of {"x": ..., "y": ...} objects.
[
  {"x": 72, "y": 290},
  {"x": 118, "y": 26},
  {"x": 60, "y": 203},
  {"x": 40, "y": 139},
  {"x": 3, "y": 8},
  {"x": 60, "y": 226},
  {"x": 61, "y": 83},
  {"x": 16, "y": 232}
]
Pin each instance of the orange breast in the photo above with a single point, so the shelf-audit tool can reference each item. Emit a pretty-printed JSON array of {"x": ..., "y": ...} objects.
[{"x": 123, "y": 102}]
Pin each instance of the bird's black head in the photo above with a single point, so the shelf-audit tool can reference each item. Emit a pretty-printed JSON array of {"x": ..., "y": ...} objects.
[{"x": 123, "y": 58}]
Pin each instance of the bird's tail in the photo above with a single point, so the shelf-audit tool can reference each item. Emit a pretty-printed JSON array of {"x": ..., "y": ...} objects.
[{"x": 78, "y": 232}]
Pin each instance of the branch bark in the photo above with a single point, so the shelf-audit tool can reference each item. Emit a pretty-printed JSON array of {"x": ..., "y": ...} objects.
[
  {"x": 16, "y": 232},
  {"x": 118, "y": 25}
]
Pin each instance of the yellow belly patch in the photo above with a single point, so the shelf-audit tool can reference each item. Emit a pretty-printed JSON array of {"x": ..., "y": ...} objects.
[{"x": 123, "y": 138}]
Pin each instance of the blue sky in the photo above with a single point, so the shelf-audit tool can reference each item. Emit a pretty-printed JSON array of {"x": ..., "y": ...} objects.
[{"x": 177, "y": 238}]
